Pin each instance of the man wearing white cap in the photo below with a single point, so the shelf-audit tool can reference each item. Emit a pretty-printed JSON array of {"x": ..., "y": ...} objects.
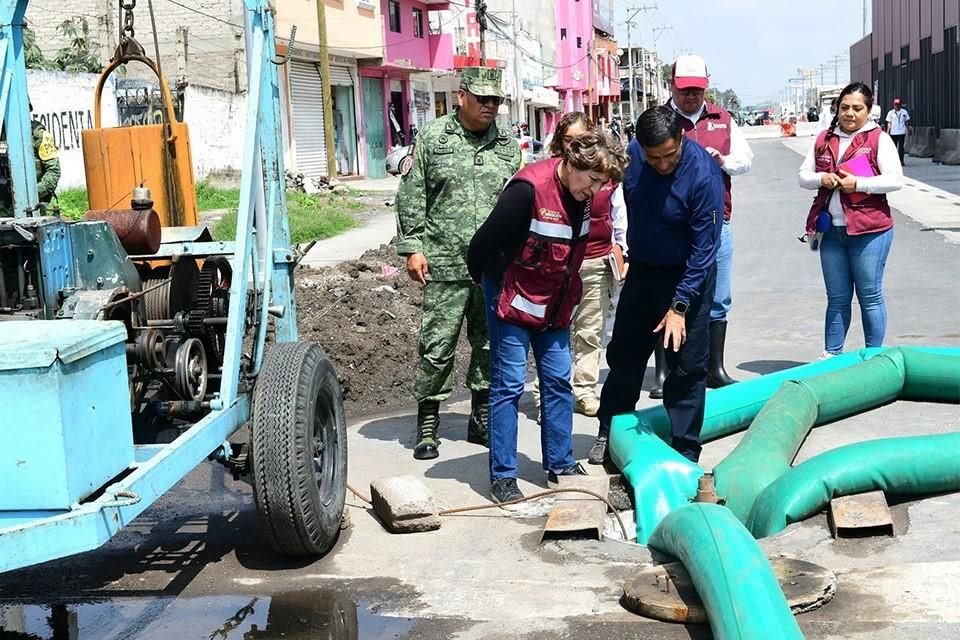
[{"x": 714, "y": 129}]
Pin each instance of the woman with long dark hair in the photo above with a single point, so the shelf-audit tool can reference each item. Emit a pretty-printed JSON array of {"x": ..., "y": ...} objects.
[{"x": 853, "y": 164}]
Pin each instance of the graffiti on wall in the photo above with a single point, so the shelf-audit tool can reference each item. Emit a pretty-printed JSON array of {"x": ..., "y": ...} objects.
[
  {"x": 140, "y": 102},
  {"x": 65, "y": 126}
]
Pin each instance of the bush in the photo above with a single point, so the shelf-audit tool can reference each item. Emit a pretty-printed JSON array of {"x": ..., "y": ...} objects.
[{"x": 310, "y": 217}]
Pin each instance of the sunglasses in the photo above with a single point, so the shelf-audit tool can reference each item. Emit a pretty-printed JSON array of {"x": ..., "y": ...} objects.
[{"x": 495, "y": 100}]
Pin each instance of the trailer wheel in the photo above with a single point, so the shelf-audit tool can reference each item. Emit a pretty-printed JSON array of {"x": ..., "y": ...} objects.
[{"x": 299, "y": 449}]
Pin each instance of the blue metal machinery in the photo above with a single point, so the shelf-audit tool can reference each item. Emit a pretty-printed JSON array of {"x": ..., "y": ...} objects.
[{"x": 54, "y": 272}]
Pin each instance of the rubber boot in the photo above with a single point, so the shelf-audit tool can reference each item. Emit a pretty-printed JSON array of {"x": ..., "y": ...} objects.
[
  {"x": 479, "y": 415},
  {"x": 660, "y": 359},
  {"x": 428, "y": 427},
  {"x": 716, "y": 374}
]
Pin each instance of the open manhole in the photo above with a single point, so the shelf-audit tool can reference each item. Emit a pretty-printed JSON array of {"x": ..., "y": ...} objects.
[{"x": 666, "y": 592}]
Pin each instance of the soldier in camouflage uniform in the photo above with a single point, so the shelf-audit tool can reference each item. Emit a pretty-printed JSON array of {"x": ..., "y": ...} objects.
[
  {"x": 450, "y": 183},
  {"x": 46, "y": 156}
]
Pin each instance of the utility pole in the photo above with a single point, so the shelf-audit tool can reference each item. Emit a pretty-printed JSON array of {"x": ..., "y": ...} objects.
[
  {"x": 863, "y": 33},
  {"x": 325, "y": 88},
  {"x": 657, "y": 32},
  {"x": 631, "y": 14},
  {"x": 517, "y": 81},
  {"x": 482, "y": 25}
]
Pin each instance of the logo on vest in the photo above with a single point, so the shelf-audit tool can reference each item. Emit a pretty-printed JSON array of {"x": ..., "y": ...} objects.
[
  {"x": 711, "y": 126},
  {"x": 549, "y": 214}
]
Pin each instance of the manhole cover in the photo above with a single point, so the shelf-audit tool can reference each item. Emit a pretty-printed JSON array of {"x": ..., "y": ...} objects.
[{"x": 666, "y": 592}]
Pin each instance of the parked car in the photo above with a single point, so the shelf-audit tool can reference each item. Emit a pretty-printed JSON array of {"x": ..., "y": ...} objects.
[
  {"x": 396, "y": 157},
  {"x": 760, "y": 117}
]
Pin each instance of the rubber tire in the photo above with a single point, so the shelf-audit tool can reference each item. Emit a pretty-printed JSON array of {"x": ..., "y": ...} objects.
[{"x": 299, "y": 499}]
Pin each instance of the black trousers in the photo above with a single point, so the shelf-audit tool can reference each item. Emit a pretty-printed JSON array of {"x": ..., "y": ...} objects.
[
  {"x": 899, "y": 140},
  {"x": 644, "y": 300}
]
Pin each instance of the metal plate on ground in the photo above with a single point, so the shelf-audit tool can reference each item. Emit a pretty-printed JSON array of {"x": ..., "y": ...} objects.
[
  {"x": 578, "y": 514},
  {"x": 666, "y": 592},
  {"x": 861, "y": 515}
]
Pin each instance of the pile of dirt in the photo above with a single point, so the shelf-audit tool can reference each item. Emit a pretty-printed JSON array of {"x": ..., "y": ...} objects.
[{"x": 366, "y": 315}]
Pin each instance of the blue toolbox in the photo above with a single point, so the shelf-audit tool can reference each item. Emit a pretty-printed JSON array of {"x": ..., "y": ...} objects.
[{"x": 64, "y": 411}]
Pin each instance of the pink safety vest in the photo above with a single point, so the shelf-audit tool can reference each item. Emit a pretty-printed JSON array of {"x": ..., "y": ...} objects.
[
  {"x": 713, "y": 130},
  {"x": 542, "y": 286},
  {"x": 869, "y": 215},
  {"x": 600, "y": 242}
]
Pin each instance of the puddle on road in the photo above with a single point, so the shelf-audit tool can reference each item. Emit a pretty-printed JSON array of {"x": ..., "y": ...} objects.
[{"x": 299, "y": 615}]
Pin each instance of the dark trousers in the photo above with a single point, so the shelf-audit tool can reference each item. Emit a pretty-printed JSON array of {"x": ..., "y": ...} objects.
[
  {"x": 899, "y": 140},
  {"x": 644, "y": 301}
]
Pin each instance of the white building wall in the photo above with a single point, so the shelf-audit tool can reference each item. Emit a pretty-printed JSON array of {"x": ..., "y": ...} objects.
[
  {"x": 216, "y": 122},
  {"x": 63, "y": 102},
  {"x": 212, "y": 54}
]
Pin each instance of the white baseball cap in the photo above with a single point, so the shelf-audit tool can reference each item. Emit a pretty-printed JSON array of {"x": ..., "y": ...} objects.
[{"x": 690, "y": 71}]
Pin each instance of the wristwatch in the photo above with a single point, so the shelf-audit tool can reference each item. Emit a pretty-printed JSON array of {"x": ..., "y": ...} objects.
[{"x": 679, "y": 306}]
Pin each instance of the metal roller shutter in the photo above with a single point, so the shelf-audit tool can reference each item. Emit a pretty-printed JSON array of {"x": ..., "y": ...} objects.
[
  {"x": 340, "y": 76},
  {"x": 306, "y": 102}
]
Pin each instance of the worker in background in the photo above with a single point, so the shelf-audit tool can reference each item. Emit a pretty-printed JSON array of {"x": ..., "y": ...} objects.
[
  {"x": 47, "y": 160},
  {"x": 459, "y": 163}
]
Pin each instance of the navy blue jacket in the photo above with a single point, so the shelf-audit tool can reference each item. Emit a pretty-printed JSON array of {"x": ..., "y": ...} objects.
[{"x": 675, "y": 220}]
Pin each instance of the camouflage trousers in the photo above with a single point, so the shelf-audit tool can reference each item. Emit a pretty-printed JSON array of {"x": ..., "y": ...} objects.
[{"x": 445, "y": 305}]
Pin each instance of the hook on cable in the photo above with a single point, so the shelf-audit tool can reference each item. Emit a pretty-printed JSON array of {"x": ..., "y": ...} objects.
[{"x": 286, "y": 57}]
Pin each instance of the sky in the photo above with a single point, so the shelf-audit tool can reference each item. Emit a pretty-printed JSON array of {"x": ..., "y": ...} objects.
[{"x": 750, "y": 46}]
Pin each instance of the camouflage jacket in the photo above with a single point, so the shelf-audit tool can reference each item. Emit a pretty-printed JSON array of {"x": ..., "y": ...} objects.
[
  {"x": 47, "y": 159},
  {"x": 47, "y": 163},
  {"x": 449, "y": 189}
]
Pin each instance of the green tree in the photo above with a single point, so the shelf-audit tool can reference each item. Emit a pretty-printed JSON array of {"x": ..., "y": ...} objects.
[
  {"x": 82, "y": 53},
  {"x": 33, "y": 56}
]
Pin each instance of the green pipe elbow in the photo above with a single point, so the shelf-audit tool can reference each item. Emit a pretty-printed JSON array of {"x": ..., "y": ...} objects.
[
  {"x": 733, "y": 577},
  {"x": 910, "y": 465}
]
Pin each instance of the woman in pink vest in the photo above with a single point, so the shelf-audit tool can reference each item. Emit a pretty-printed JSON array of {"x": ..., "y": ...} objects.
[
  {"x": 527, "y": 255},
  {"x": 852, "y": 165}
]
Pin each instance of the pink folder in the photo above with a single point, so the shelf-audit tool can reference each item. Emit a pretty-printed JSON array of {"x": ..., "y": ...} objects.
[{"x": 859, "y": 166}]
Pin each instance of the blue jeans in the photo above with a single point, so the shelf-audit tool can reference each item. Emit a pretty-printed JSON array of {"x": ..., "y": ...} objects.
[
  {"x": 722, "y": 297},
  {"x": 854, "y": 263},
  {"x": 509, "y": 344}
]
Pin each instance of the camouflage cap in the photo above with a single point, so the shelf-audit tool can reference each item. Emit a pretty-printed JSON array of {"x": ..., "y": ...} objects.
[{"x": 482, "y": 81}]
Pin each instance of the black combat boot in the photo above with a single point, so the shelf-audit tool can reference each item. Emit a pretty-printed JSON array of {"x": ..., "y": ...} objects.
[
  {"x": 428, "y": 427},
  {"x": 660, "y": 359},
  {"x": 479, "y": 417},
  {"x": 716, "y": 374}
]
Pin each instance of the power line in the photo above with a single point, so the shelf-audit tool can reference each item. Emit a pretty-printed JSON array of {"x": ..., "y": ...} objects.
[{"x": 206, "y": 15}]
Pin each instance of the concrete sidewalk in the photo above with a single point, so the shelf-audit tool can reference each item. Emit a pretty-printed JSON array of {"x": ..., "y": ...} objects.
[{"x": 489, "y": 567}]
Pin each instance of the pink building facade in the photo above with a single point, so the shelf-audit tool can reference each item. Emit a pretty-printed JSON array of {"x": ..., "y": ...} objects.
[
  {"x": 588, "y": 68},
  {"x": 412, "y": 56},
  {"x": 574, "y": 34}
]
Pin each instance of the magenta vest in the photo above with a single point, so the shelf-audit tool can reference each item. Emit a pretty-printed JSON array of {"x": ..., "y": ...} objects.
[
  {"x": 869, "y": 215},
  {"x": 600, "y": 242},
  {"x": 713, "y": 130},
  {"x": 542, "y": 286}
]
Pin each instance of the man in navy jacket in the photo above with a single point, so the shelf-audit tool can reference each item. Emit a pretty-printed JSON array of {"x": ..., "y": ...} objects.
[{"x": 674, "y": 195}]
